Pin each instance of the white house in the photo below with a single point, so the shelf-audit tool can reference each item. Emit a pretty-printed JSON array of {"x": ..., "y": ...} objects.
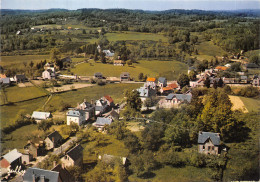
[
  {"x": 48, "y": 74},
  {"x": 75, "y": 116}
]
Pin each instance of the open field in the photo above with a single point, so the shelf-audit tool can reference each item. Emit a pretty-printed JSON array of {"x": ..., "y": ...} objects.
[
  {"x": 116, "y": 91},
  {"x": 169, "y": 69},
  {"x": 10, "y": 113},
  {"x": 18, "y": 138},
  {"x": 16, "y": 94},
  {"x": 69, "y": 87},
  {"x": 137, "y": 36},
  {"x": 237, "y": 104},
  {"x": 251, "y": 104},
  {"x": 170, "y": 174},
  {"x": 20, "y": 59}
]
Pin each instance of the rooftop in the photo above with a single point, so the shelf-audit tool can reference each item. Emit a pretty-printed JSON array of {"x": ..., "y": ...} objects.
[{"x": 204, "y": 136}]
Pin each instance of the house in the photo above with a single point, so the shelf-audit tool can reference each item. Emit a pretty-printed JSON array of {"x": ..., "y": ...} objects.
[
  {"x": 74, "y": 157},
  {"x": 38, "y": 116},
  {"x": 243, "y": 79},
  {"x": 108, "y": 53},
  {"x": 87, "y": 108},
  {"x": 48, "y": 74},
  {"x": 64, "y": 174},
  {"x": 208, "y": 143},
  {"x": 5, "y": 81},
  {"x": 109, "y": 100},
  {"x": 162, "y": 82},
  {"x": 101, "y": 107},
  {"x": 98, "y": 75},
  {"x": 33, "y": 174},
  {"x": 125, "y": 76},
  {"x": 112, "y": 115},
  {"x": 251, "y": 66},
  {"x": 101, "y": 122},
  {"x": 146, "y": 92},
  {"x": 76, "y": 116},
  {"x": 119, "y": 63},
  {"x": 152, "y": 82},
  {"x": 174, "y": 100},
  {"x": 49, "y": 66},
  {"x": 26, "y": 158},
  {"x": 53, "y": 140},
  {"x": 35, "y": 148},
  {"x": 66, "y": 60},
  {"x": 2, "y": 76},
  {"x": 19, "y": 78},
  {"x": 255, "y": 82},
  {"x": 11, "y": 160}
]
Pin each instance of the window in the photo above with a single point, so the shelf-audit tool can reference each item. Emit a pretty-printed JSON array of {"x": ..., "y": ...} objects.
[
  {"x": 212, "y": 147},
  {"x": 209, "y": 148},
  {"x": 203, "y": 147}
]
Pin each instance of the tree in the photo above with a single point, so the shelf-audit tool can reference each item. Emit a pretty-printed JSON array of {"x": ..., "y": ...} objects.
[
  {"x": 215, "y": 84},
  {"x": 133, "y": 100},
  {"x": 255, "y": 59},
  {"x": 118, "y": 128},
  {"x": 83, "y": 31},
  {"x": 75, "y": 171},
  {"x": 192, "y": 75},
  {"x": 152, "y": 136},
  {"x": 183, "y": 80},
  {"x": 177, "y": 135},
  {"x": 44, "y": 125},
  {"x": 220, "y": 82},
  {"x": 131, "y": 141},
  {"x": 54, "y": 54},
  {"x": 31, "y": 64},
  {"x": 150, "y": 102},
  {"x": 207, "y": 82},
  {"x": 140, "y": 76}
]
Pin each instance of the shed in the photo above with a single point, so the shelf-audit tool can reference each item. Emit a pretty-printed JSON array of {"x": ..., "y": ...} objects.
[{"x": 37, "y": 115}]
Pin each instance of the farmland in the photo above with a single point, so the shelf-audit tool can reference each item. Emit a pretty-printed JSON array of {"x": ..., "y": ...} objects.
[
  {"x": 136, "y": 36},
  {"x": 169, "y": 69}
]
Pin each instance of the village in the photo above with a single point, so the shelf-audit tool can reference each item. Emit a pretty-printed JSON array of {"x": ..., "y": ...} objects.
[{"x": 155, "y": 93}]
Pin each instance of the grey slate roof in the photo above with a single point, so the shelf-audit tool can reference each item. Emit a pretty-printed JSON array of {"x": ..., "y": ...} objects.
[
  {"x": 55, "y": 135},
  {"x": 50, "y": 176},
  {"x": 75, "y": 113},
  {"x": 162, "y": 79},
  {"x": 103, "y": 121},
  {"x": 214, "y": 137},
  {"x": 41, "y": 115},
  {"x": 98, "y": 74},
  {"x": 12, "y": 155},
  {"x": 181, "y": 97},
  {"x": 75, "y": 152}
]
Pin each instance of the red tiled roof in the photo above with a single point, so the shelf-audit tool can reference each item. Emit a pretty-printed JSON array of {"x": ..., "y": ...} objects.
[
  {"x": 4, "y": 163},
  {"x": 108, "y": 98},
  {"x": 2, "y": 76},
  {"x": 223, "y": 68},
  {"x": 173, "y": 85},
  {"x": 166, "y": 88},
  {"x": 151, "y": 79}
]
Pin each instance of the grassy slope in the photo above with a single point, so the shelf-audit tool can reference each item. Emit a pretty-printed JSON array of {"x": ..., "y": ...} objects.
[
  {"x": 16, "y": 94},
  {"x": 170, "y": 174},
  {"x": 251, "y": 104},
  {"x": 150, "y": 68},
  {"x": 18, "y": 60},
  {"x": 116, "y": 91},
  {"x": 9, "y": 113},
  {"x": 118, "y": 36}
]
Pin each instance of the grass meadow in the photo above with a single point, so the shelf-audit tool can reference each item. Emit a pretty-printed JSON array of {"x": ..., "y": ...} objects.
[
  {"x": 137, "y": 36},
  {"x": 252, "y": 105},
  {"x": 168, "y": 69},
  {"x": 116, "y": 91}
]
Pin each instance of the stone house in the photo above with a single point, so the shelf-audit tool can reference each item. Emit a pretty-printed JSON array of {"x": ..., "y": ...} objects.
[
  {"x": 53, "y": 140},
  {"x": 74, "y": 157},
  {"x": 162, "y": 82},
  {"x": 119, "y": 63},
  {"x": 101, "y": 122},
  {"x": 125, "y": 76},
  {"x": 75, "y": 116},
  {"x": 98, "y": 75},
  {"x": 48, "y": 74},
  {"x": 101, "y": 107},
  {"x": 33, "y": 174},
  {"x": 87, "y": 108},
  {"x": 35, "y": 149},
  {"x": 208, "y": 143},
  {"x": 19, "y": 78},
  {"x": 109, "y": 100}
]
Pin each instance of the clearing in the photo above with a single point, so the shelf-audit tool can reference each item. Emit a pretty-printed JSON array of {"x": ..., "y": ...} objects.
[
  {"x": 168, "y": 69},
  {"x": 238, "y": 104},
  {"x": 68, "y": 87}
]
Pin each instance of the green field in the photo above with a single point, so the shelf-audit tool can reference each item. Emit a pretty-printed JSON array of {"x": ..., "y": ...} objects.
[
  {"x": 17, "y": 61},
  {"x": 16, "y": 94},
  {"x": 10, "y": 113},
  {"x": 137, "y": 36},
  {"x": 116, "y": 91},
  {"x": 171, "y": 174},
  {"x": 169, "y": 69},
  {"x": 251, "y": 104}
]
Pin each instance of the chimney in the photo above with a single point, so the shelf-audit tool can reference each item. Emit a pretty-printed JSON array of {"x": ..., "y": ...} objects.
[
  {"x": 42, "y": 178},
  {"x": 33, "y": 177},
  {"x": 54, "y": 164},
  {"x": 92, "y": 102}
]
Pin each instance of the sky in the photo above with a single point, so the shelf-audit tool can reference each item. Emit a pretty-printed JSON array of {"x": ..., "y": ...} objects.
[{"x": 132, "y": 4}]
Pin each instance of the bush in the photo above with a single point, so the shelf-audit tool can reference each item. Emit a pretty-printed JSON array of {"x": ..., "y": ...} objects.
[
  {"x": 249, "y": 92},
  {"x": 101, "y": 82}
]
